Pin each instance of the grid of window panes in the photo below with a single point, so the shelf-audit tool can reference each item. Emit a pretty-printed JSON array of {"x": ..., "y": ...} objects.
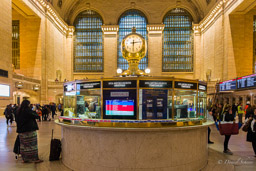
[
  {"x": 88, "y": 49},
  {"x": 128, "y": 20},
  {"x": 254, "y": 44},
  {"x": 16, "y": 44},
  {"x": 177, "y": 42}
]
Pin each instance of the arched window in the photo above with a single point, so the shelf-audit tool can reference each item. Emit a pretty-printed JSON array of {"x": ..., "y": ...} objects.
[
  {"x": 88, "y": 42},
  {"x": 129, "y": 19},
  {"x": 177, "y": 41}
]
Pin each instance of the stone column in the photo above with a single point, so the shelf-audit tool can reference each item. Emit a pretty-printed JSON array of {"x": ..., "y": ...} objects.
[
  {"x": 110, "y": 49},
  {"x": 197, "y": 59},
  {"x": 155, "y": 37},
  {"x": 69, "y": 54}
]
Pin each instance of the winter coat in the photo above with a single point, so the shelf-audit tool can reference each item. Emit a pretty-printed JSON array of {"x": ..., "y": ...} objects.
[{"x": 26, "y": 121}]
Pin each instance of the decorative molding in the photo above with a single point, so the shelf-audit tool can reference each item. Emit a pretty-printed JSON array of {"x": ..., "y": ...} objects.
[
  {"x": 215, "y": 13},
  {"x": 110, "y": 29},
  {"x": 155, "y": 28},
  {"x": 197, "y": 30},
  {"x": 47, "y": 9}
]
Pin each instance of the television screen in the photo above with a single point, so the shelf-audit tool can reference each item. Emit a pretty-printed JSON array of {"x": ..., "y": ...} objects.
[
  {"x": 4, "y": 90},
  {"x": 120, "y": 107}
]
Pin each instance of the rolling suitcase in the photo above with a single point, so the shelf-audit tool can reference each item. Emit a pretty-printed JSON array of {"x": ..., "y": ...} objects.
[{"x": 55, "y": 149}]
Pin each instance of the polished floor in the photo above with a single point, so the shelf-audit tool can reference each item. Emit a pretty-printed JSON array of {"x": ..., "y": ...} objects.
[{"x": 242, "y": 160}]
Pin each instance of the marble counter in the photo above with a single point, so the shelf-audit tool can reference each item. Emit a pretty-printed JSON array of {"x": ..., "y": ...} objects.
[{"x": 98, "y": 148}]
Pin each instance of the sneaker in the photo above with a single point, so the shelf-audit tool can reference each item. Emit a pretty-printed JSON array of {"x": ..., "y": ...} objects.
[
  {"x": 210, "y": 142},
  {"x": 228, "y": 152}
]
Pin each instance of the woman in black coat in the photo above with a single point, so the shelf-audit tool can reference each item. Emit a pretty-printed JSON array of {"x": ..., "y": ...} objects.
[
  {"x": 228, "y": 117},
  {"x": 26, "y": 128},
  {"x": 251, "y": 134}
]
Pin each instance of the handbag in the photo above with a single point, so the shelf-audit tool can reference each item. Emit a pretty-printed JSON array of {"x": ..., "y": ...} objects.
[
  {"x": 228, "y": 128},
  {"x": 246, "y": 126}
]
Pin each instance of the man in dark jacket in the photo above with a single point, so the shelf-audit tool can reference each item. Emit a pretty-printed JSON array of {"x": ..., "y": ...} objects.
[{"x": 8, "y": 114}]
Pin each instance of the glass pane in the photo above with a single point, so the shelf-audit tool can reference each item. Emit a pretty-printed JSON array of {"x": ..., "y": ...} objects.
[
  {"x": 89, "y": 104},
  {"x": 177, "y": 42},
  {"x": 131, "y": 18},
  {"x": 69, "y": 105},
  {"x": 184, "y": 104},
  {"x": 88, "y": 42},
  {"x": 16, "y": 44}
]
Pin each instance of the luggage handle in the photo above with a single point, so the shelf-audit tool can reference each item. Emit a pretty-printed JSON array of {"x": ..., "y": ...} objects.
[{"x": 52, "y": 133}]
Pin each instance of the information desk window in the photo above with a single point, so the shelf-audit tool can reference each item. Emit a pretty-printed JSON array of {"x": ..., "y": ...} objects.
[
  {"x": 184, "y": 104},
  {"x": 69, "y": 104},
  {"x": 153, "y": 103},
  {"x": 89, "y": 103},
  {"x": 202, "y": 102}
]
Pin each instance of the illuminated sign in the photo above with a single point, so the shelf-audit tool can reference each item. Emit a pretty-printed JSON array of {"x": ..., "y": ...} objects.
[
  {"x": 246, "y": 81},
  {"x": 69, "y": 87},
  {"x": 119, "y": 94},
  {"x": 202, "y": 87},
  {"x": 120, "y": 84},
  {"x": 88, "y": 85},
  {"x": 4, "y": 90},
  {"x": 185, "y": 85},
  {"x": 155, "y": 84},
  {"x": 73, "y": 93},
  {"x": 227, "y": 85}
]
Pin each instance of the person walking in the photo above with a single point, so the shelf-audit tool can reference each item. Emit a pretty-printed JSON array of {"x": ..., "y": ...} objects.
[
  {"x": 228, "y": 117},
  {"x": 234, "y": 110},
  {"x": 251, "y": 134},
  {"x": 8, "y": 114},
  {"x": 27, "y": 130},
  {"x": 53, "y": 109},
  {"x": 240, "y": 113}
]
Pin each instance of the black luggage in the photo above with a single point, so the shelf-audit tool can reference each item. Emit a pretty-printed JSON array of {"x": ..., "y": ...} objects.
[
  {"x": 55, "y": 149},
  {"x": 16, "y": 148}
]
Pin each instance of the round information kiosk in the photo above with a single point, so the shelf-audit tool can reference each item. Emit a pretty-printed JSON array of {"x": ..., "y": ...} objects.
[{"x": 134, "y": 123}]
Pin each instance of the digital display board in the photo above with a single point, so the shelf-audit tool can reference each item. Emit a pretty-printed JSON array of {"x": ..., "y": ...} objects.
[
  {"x": 120, "y": 84},
  {"x": 4, "y": 90},
  {"x": 227, "y": 85},
  {"x": 155, "y": 84},
  {"x": 120, "y": 107},
  {"x": 88, "y": 85},
  {"x": 202, "y": 87},
  {"x": 185, "y": 85},
  {"x": 246, "y": 81}
]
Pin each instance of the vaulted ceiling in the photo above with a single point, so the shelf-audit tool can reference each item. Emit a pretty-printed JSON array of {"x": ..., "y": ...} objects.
[{"x": 112, "y": 9}]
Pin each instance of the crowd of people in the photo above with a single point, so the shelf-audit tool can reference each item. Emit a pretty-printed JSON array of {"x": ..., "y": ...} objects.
[
  {"x": 46, "y": 112},
  {"x": 246, "y": 117}
]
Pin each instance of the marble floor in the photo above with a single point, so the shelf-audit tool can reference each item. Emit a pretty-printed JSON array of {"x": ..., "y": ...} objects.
[{"x": 242, "y": 160}]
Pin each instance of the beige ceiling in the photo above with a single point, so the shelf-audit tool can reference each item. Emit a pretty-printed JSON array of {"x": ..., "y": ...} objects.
[{"x": 110, "y": 9}]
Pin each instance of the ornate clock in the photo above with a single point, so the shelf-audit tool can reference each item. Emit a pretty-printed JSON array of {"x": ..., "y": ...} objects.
[{"x": 134, "y": 48}]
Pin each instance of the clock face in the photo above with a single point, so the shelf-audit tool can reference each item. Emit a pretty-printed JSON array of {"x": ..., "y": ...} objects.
[{"x": 133, "y": 43}]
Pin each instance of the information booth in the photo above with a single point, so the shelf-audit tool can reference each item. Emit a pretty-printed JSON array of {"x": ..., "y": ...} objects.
[
  {"x": 141, "y": 99},
  {"x": 122, "y": 120}
]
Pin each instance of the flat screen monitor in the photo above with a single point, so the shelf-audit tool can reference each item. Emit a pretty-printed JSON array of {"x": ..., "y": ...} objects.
[
  {"x": 120, "y": 107},
  {"x": 4, "y": 90}
]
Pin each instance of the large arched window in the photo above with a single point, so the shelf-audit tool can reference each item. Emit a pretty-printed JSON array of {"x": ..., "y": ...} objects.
[
  {"x": 88, "y": 42},
  {"x": 177, "y": 41},
  {"x": 129, "y": 19}
]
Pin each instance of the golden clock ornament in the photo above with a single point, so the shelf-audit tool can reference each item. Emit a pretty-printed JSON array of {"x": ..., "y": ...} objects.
[{"x": 134, "y": 48}]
